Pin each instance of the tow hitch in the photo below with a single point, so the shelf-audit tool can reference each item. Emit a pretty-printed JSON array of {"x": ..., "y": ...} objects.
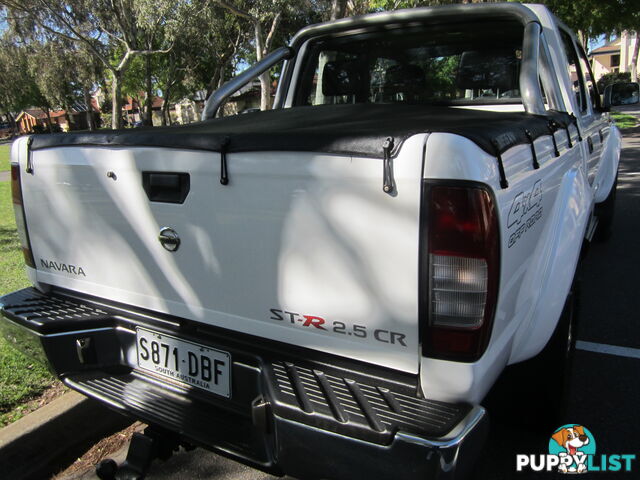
[{"x": 143, "y": 449}]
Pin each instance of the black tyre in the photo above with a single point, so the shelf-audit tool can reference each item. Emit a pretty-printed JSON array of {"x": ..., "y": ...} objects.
[
  {"x": 536, "y": 391},
  {"x": 605, "y": 211}
]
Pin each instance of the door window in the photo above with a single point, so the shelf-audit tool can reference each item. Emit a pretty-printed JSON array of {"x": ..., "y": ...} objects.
[
  {"x": 592, "y": 89},
  {"x": 575, "y": 74}
]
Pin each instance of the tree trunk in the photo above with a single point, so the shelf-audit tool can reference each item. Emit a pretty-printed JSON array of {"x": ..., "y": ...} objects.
[
  {"x": 583, "y": 39},
  {"x": 49, "y": 118},
  {"x": 338, "y": 9},
  {"x": 214, "y": 82},
  {"x": 163, "y": 113},
  {"x": 265, "y": 91},
  {"x": 12, "y": 122},
  {"x": 265, "y": 78},
  {"x": 166, "y": 116},
  {"x": 634, "y": 59},
  {"x": 221, "y": 80},
  {"x": 87, "y": 103},
  {"x": 148, "y": 121},
  {"x": 116, "y": 100}
]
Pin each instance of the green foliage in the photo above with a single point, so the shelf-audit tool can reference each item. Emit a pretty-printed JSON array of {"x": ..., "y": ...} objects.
[
  {"x": 441, "y": 75},
  {"x": 12, "y": 270},
  {"x": 18, "y": 86},
  {"x": 381, "y": 5},
  {"x": 624, "y": 120},
  {"x": 105, "y": 119},
  {"x": 51, "y": 56},
  {"x": 21, "y": 378},
  {"x": 5, "y": 150},
  {"x": 52, "y": 66},
  {"x": 590, "y": 17},
  {"x": 613, "y": 77}
]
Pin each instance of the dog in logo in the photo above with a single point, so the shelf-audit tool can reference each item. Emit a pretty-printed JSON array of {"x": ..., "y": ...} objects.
[{"x": 572, "y": 439}]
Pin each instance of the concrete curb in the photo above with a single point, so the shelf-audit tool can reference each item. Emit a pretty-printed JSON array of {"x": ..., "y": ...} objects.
[{"x": 50, "y": 438}]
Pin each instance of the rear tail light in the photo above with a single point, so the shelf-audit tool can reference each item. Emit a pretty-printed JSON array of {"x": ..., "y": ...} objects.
[
  {"x": 459, "y": 270},
  {"x": 18, "y": 208}
]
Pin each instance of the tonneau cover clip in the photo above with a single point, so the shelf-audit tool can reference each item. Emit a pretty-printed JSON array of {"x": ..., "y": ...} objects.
[
  {"x": 553, "y": 126},
  {"x": 503, "y": 176},
  {"x": 387, "y": 182},
  {"x": 224, "y": 174},
  {"x": 536, "y": 165},
  {"x": 29, "y": 168},
  {"x": 574, "y": 120}
]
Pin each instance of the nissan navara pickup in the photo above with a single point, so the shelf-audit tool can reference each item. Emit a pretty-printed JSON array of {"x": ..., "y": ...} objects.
[{"x": 329, "y": 289}]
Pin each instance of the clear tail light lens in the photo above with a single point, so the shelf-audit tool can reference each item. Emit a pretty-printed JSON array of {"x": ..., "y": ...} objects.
[
  {"x": 459, "y": 270},
  {"x": 18, "y": 209},
  {"x": 458, "y": 291}
]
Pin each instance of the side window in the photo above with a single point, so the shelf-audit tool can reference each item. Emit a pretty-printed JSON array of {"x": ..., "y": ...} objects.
[
  {"x": 594, "y": 97},
  {"x": 548, "y": 80},
  {"x": 574, "y": 71}
]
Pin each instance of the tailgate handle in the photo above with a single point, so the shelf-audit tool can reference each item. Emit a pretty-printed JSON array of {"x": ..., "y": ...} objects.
[{"x": 166, "y": 187}]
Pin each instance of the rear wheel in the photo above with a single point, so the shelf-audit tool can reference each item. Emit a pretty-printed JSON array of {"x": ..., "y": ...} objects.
[{"x": 536, "y": 391}]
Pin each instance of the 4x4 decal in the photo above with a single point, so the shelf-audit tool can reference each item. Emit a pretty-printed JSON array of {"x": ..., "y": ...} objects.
[{"x": 525, "y": 211}]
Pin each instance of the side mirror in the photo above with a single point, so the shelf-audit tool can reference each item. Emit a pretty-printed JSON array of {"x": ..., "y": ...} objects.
[{"x": 621, "y": 94}]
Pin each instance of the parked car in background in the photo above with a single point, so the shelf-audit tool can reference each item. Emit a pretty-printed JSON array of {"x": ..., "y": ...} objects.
[{"x": 6, "y": 131}]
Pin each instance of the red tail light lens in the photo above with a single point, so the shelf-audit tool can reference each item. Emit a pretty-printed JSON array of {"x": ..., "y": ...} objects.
[
  {"x": 18, "y": 209},
  {"x": 459, "y": 270}
]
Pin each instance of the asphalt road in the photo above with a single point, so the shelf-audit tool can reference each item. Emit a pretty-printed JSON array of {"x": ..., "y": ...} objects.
[{"x": 605, "y": 389}]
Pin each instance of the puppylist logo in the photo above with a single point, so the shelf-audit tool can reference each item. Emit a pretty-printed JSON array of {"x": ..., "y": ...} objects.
[{"x": 572, "y": 449}]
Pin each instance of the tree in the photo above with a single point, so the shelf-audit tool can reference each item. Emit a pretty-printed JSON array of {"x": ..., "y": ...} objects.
[
  {"x": 65, "y": 74},
  {"x": 262, "y": 43},
  {"x": 18, "y": 87},
  {"x": 127, "y": 27},
  {"x": 338, "y": 9},
  {"x": 210, "y": 48},
  {"x": 628, "y": 18},
  {"x": 613, "y": 77}
]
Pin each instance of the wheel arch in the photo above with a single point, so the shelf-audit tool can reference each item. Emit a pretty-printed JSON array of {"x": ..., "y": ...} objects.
[
  {"x": 554, "y": 277},
  {"x": 608, "y": 164}
]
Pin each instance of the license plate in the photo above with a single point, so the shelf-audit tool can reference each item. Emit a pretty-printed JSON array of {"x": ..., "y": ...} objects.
[{"x": 189, "y": 363}]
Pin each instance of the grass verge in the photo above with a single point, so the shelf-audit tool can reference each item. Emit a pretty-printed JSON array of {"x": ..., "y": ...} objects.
[
  {"x": 4, "y": 157},
  {"x": 21, "y": 378},
  {"x": 624, "y": 120}
]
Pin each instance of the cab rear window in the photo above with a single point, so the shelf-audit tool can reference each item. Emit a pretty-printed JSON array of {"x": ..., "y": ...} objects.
[{"x": 459, "y": 64}]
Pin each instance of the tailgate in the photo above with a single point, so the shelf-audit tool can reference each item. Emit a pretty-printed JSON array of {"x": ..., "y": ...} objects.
[{"x": 302, "y": 248}]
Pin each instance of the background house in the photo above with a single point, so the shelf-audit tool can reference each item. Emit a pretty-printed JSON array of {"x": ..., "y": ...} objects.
[
  {"x": 133, "y": 110},
  {"x": 35, "y": 119},
  {"x": 614, "y": 56},
  {"x": 28, "y": 120}
]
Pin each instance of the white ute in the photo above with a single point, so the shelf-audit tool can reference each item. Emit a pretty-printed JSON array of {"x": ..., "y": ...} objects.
[{"x": 330, "y": 289}]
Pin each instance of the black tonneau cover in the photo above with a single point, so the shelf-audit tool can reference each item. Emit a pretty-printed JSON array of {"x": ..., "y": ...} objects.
[{"x": 358, "y": 130}]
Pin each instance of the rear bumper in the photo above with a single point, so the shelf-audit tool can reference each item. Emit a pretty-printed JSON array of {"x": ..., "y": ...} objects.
[{"x": 291, "y": 411}]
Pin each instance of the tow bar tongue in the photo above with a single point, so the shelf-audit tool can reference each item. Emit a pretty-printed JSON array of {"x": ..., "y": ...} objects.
[{"x": 144, "y": 448}]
